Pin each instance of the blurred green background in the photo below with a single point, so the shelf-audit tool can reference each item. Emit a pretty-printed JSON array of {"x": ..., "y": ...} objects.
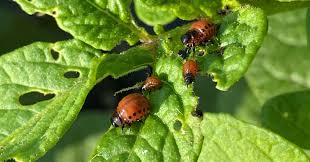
[{"x": 242, "y": 100}]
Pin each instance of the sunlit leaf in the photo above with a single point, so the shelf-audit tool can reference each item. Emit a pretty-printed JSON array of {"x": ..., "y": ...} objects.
[
  {"x": 44, "y": 86},
  {"x": 102, "y": 25}
]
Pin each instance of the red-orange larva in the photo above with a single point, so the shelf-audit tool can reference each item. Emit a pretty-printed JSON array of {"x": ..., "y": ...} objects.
[
  {"x": 151, "y": 83},
  {"x": 133, "y": 107},
  {"x": 200, "y": 32},
  {"x": 190, "y": 70}
]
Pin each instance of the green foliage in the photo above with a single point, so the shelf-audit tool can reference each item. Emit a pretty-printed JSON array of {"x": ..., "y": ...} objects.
[
  {"x": 289, "y": 116},
  {"x": 28, "y": 130},
  {"x": 172, "y": 104},
  {"x": 153, "y": 15},
  {"x": 275, "y": 6},
  {"x": 180, "y": 136},
  {"x": 240, "y": 36},
  {"x": 131, "y": 60},
  {"x": 81, "y": 138},
  {"x": 45, "y": 84},
  {"x": 189, "y": 10},
  {"x": 282, "y": 63},
  {"x": 101, "y": 25},
  {"x": 280, "y": 68},
  {"x": 227, "y": 139},
  {"x": 308, "y": 26}
]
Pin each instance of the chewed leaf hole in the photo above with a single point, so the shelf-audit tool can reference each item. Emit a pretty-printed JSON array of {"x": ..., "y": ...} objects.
[
  {"x": 31, "y": 98},
  {"x": 177, "y": 125},
  {"x": 55, "y": 54},
  {"x": 72, "y": 74}
]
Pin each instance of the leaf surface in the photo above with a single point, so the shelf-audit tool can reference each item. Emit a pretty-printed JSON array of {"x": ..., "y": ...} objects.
[
  {"x": 289, "y": 116},
  {"x": 44, "y": 86},
  {"x": 153, "y": 15},
  {"x": 29, "y": 129},
  {"x": 227, "y": 139},
  {"x": 308, "y": 26},
  {"x": 281, "y": 65},
  {"x": 101, "y": 24},
  {"x": 171, "y": 133},
  {"x": 174, "y": 126},
  {"x": 118, "y": 65},
  {"x": 240, "y": 36},
  {"x": 190, "y": 10},
  {"x": 81, "y": 138}
]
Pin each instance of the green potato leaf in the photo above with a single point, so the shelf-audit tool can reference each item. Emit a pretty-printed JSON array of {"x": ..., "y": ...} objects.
[
  {"x": 81, "y": 138},
  {"x": 228, "y": 56},
  {"x": 118, "y": 65},
  {"x": 281, "y": 65},
  {"x": 160, "y": 12},
  {"x": 308, "y": 27},
  {"x": 169, "y": 127},
  {"x": 172, "y": 133},
  {"x": 153, "y": 15},
  {"x": 276, "y": 6},
  {"x": 30, "y": 128},
  {"x": 289, "y": 116},
  {"x": 44, "y": 86},
  {"x": 240, "y": 36},
  {"x": 101, "y": 24},
  {"x": 227, "y": 139}
]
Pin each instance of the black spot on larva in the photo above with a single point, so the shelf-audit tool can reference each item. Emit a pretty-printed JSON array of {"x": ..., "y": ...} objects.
[
  {"x": 72, "y": 74},
  {"x": 143, "y": 109},
  {"x": 129, "y": 117},
  {"x": 139, "y": 111},
  {"x": 55, "y": 54},
  {"x": 177, "y": 125},
  {"x": 134, "y": 114},
  {"x": 34, "y": 97}
]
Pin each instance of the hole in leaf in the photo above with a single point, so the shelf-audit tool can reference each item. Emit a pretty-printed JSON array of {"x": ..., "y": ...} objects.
[
  {"x": 31, "y": 98},
  {"x": 55, "y": 54},
  {"x": 177, "y": 125},
  {"x": 72, "y": 74},
  {"x": 54, "y": 12},
  {"x": 10, "y": 160},
  {"x": 197, "y": 113}
]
